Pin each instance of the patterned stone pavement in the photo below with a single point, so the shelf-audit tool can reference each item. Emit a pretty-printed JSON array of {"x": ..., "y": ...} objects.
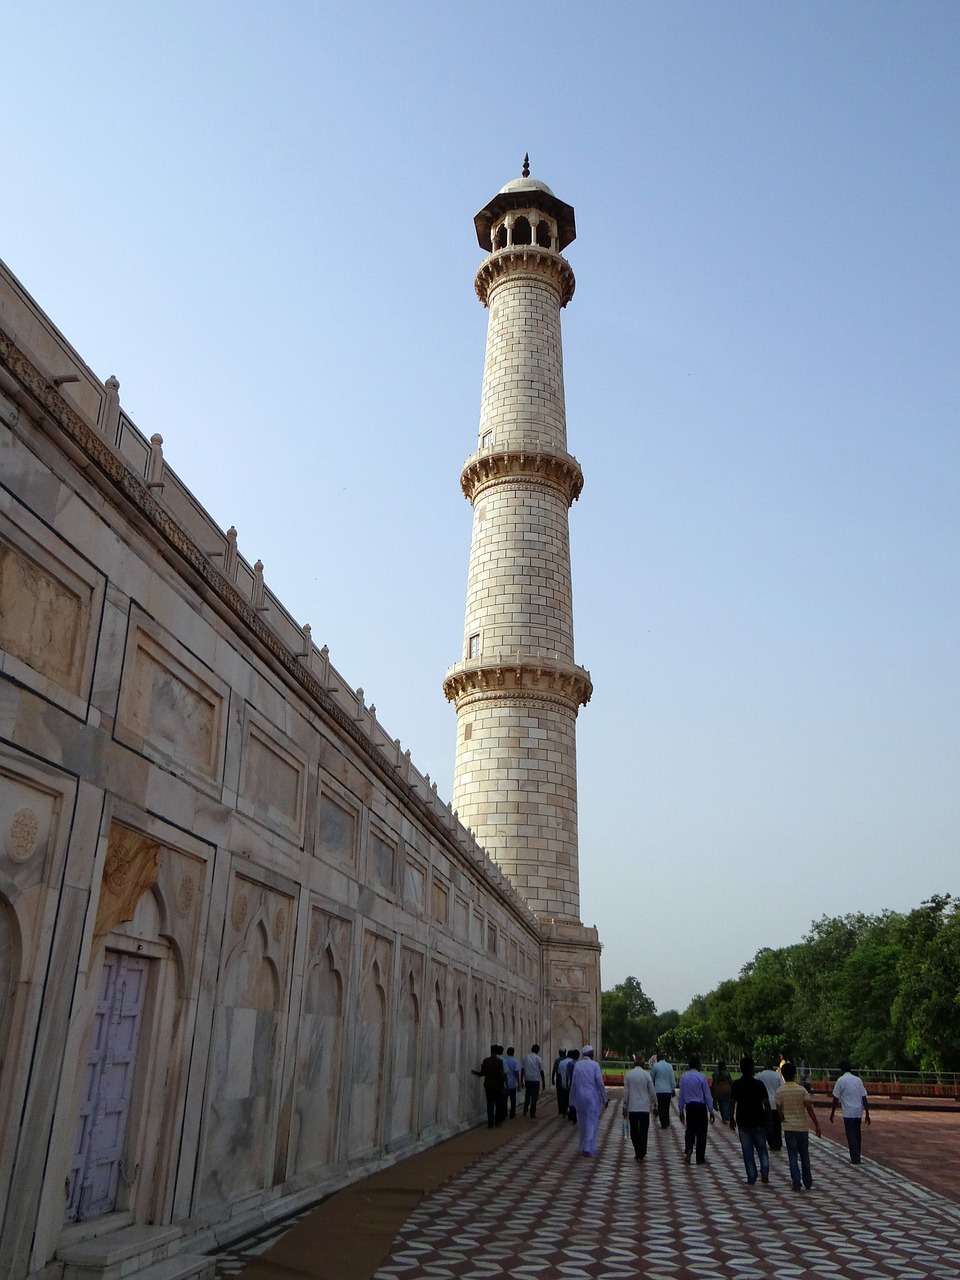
[
  {"x": 533, "y": 1209},
  {"x": 537, "y": 1209}
]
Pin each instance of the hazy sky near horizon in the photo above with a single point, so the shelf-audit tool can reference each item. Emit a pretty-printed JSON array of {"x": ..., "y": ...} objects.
[{"x": 259, "y": 217}]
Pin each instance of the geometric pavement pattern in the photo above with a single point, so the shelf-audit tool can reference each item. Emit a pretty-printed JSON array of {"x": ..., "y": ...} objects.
[{"x": 538, "y": 1209}]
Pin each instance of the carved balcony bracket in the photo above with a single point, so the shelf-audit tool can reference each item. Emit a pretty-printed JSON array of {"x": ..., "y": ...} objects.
[
  {"x": 493, "y": 466},
  {"x": 533, "y": 677},
  {"x": 530, "y": 260}
]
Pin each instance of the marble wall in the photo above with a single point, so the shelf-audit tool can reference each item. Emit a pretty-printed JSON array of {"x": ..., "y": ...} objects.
[{"x": 246, "y": 952}]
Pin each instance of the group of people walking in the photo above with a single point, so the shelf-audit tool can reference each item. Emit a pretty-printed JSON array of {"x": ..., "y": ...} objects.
[
  {"x": 768, "y": 1109},
  {"x": 581, "y": 1095},
  {"x": 502, "y": 1076}
]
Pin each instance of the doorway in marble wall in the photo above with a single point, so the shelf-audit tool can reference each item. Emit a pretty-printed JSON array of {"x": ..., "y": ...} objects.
[
  {"x": 10, "y": 1039},
  {"x": 9, "y": 969},
  {"x": 98, "y": 1163},
  {"x": 121, "y": 1113}
]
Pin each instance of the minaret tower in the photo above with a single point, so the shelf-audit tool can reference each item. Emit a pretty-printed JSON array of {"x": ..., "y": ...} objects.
[{"x": 517, "y": 688}]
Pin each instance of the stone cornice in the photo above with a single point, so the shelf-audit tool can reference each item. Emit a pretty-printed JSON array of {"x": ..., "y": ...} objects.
[
  {"x": 493, "y": 466},
  {"x": 520, "y": 679},
  {"x": 526, "y": 260}
]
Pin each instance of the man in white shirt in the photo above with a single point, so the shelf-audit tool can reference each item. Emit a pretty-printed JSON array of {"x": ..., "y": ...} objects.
[
  {"x": 639, "y": 1099},
  {"x": 534, "y": 1080},
  {"x": 852, "y": 1096}
]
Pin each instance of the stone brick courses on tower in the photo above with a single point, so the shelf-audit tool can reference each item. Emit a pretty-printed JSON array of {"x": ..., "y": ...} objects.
[{"x": 517, "y": 688}]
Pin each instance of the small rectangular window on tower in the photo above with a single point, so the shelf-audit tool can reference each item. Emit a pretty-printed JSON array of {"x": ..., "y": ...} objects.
[
  {"x": 473, "y": 646},
  {"x": 486, "y": 440}
]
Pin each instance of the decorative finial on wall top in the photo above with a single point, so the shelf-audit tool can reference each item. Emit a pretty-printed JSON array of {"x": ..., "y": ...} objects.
[{"x": 526, "y": 166}]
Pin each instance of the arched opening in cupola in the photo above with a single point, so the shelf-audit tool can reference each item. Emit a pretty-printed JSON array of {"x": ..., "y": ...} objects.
[{"x": 521, "y": 231}]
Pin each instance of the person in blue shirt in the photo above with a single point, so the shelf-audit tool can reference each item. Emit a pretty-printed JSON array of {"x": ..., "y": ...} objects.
[
  {"x": 512, "y": 1068},
  {"x": 665, "y": 1083},
  {"x": 695, "y": 1105}
]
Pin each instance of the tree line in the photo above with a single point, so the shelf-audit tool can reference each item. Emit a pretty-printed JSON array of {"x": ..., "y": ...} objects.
[{"x": 878, "y": 990}]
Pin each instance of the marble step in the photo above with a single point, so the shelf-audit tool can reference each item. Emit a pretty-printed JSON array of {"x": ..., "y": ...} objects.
[{"x": 147, "y": 1253}]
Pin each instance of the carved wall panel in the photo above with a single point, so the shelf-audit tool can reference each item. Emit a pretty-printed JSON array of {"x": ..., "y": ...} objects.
[
  {"x": 441, "y": 895},
  {"x": 370, "y": 1055},
  {"x": 50, "y": 605},
  {"x": 407, "y": 1045},
  {"x": 29, "y": 827},
  {"x": 382, "y": 859},
  {"x": 131, "y": 868},
  {"x": 434, "y": 1069},
  {"x": 337, "y": 827},
  {"x": 239, "y": 1132},
  {"x": 461, "y": 917},
  {"x": 320, "y": 1042},
  {"x": 171, "y": 707},
  {"x": 272, "y": 780},
  {"x": 414, "y": 886},
  {"x": 572, "y": 1031},
  {"x": 181, "y": 891},
  {"x": 481, "y": 1034},
  {"x": 568, "y": 975},
  {"x": 458, "y": 1064}
]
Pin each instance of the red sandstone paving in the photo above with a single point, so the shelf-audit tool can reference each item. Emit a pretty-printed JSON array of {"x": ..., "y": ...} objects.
[
  {"x": 611, "y": 1218},
  {"x": 922, "y": 1145},
  {"x": 539, "y": 1212}
]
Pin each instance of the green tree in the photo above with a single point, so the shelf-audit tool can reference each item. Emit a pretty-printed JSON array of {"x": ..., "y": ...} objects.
[
  {"x": 627, "y": 1017},
  {"x": 927, "y": 1004}
]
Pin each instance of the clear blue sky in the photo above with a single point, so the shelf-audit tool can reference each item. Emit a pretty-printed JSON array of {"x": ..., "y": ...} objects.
[{"x": 259, "y": 217}]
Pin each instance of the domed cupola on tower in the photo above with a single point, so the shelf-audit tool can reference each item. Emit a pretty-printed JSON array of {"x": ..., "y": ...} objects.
[{"x": 525, "y": 212}]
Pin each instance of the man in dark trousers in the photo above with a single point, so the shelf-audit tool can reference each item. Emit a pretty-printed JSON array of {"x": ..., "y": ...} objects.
[
  {"x": 556, "y": 1079},
  {"x": 494, "y": 1085},
  {"x": 695, "y": 1105},
  {"x": 852, "y": 1097},
  {"x": 564, "y": 1076},
  {"x": 749, "y": 1115},
  {"x": 533, "y": 1081}
]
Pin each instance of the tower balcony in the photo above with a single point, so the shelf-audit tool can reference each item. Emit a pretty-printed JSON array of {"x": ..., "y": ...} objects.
[
  {"x": 525, "y": 260},
  {"x": 529, "y": 460},
  {"x": 534, "y": 674}
]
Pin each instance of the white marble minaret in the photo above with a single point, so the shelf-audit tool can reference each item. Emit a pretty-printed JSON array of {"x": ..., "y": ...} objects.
[{"x": 517, "y": 688}]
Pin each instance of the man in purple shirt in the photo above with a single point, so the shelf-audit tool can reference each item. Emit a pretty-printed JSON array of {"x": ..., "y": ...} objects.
[{"x": 695, "y": 1104}]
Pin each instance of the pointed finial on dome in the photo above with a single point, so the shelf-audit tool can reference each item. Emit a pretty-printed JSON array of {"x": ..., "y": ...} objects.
[{"x": 526, "y": 167}]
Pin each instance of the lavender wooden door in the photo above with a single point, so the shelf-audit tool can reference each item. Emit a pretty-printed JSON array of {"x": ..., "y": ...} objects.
[{"x": 95, "y": 1170}]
